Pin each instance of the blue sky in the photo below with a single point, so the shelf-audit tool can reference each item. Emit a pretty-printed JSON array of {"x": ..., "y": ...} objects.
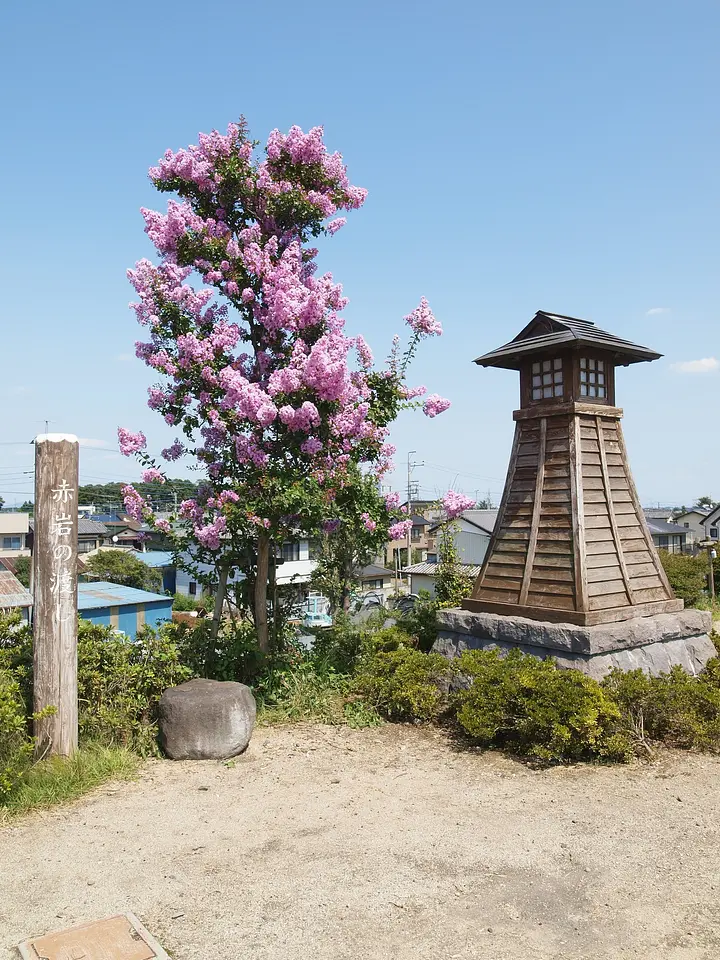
[{"x": 518, "y": 155}]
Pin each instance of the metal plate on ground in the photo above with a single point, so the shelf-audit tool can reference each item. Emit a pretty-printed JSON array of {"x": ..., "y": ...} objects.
[{"x": 121, "y": 937}]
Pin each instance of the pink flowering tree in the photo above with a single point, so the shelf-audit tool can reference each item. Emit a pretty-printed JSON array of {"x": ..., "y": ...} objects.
[{"x": 273, "y": 401}]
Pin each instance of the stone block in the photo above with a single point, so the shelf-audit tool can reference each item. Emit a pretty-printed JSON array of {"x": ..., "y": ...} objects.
[
  {"x": 653, "y": 644},
  {"x": 206, "y": 720}
]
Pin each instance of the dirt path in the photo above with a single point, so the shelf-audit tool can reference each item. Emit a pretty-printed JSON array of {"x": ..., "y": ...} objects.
[{"x": 331, "y": 843}]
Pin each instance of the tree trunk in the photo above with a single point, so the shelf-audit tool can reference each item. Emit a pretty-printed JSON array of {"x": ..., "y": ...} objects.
[
  {"x": 346, "y": 588},
  {"x": 217, "y": 617},
  {"x": 261, "y": 588}
]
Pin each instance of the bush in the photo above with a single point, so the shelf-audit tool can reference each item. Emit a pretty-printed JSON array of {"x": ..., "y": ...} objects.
[
  {"x": 233, "y": 655},
  {"x": 184, "y": 603},
  {"x": 15, "y": 745},
  {"x": 120, "y": 683},
  {"x": 124, "y": 567},
  {"x": 675, "y": 708},
  {"x": 687, "y": 575},
  {"x": 340, "y": 647},
  {"x": 537, "y": 710},
  {"x": 421, "y": 621},
  {"x": 404, "y": 683}
]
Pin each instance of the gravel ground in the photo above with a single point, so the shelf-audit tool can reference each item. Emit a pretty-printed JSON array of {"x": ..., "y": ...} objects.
[{"x": 383, "y": 843}]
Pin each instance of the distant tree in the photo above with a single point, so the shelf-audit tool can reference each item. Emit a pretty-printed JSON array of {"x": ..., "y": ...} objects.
[
  {"x": 108, "y": 495},
  {"x": 2, "y": 503},
  {"x": 22, "y": 570},
  {"x": 27, "y": 507},
  {"x": 706, "y": 503},
  {"x": 120, "y": 566}
]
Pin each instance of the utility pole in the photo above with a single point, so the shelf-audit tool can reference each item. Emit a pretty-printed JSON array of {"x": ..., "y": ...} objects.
[
  {"x": 410, "y": 467},
  {"x": 710, "y": 546}
]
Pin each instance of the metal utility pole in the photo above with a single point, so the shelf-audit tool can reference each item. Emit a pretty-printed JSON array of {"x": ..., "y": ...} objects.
[
  {"x": 54, "y": 565},
  {"x": 710, "y": 546},
  {"x": 410, "y": 467}
]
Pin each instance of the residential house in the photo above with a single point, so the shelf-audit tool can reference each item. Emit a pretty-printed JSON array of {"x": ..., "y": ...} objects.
[
  {"x": 694, "y": 522},
  {"x": 471, "y": 534},
  {"x": 659, "y": 513},
  {"x": 711, "y": 524},
  {"x": 13, "y": 595},
  {"x": 396, "y": 550},
  {"x": 295, "y": 566},
  {"x": 377, "y": 580},
  {"x": 163, "y": 561},
  {"x": 668, "y": 536},
  {"x": 422, "y": 575},
  {"x": 14, "y": 529},
  {"x": 91, "y": 535},
  {"x": 124, "y": 608}
]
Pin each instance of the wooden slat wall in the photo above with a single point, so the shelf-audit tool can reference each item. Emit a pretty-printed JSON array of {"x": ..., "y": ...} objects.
[
  {"x": 558, "y": 548},
  {"x": 621, "y": 570}
]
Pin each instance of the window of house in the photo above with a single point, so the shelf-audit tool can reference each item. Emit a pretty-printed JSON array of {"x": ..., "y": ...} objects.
[
  {"x": 547, "y": 379},
  {"x": 373, "y": 584},
  {"x": 592, "y": 378},
  {"x": 290, "y": 551},
  {"x": 663, "y": 542},
  {"x": 12, "y": 543},
  {"x": 85, "y": 546},
  {"x": 192, "y": 588},
  {"x": 415, "y": 533},
  {"x": 713, "y": 533}
]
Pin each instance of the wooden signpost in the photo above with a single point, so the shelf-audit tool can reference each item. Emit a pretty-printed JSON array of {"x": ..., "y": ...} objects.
[{"x": 55, "y": 593}]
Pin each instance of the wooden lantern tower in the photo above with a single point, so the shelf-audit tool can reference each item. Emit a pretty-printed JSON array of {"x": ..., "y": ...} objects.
[{"x": 571, "y": 543}]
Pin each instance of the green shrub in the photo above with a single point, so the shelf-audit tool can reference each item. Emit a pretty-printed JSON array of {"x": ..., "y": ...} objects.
[
  {"x": 184, "y": 603},
  {"x": 120, "y": 683},
  {"x": 404, "y": 683},
  {"x": 233, "y": 655},
  {"x": 340, "y": 647},
  {"x": 687, "y": 575},
  {"x": 15, "y": 745},
  {"x": 536, "y": 710},
  {"x": 421, "y": 622},
  {"x": 675, "y": 708}
]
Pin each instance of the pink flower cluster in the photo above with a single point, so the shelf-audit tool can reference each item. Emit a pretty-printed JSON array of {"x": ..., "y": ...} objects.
[
  {"x": 435, "y": 405},
  {"x": 135, "y": 505},
  {"x": 422, "y": 321},
  {"x": 130, "y": 442},
  {"x": 456, "y": 503},
  {"x": 152, "y": 475},
  {"x": 398, "y": 531}
]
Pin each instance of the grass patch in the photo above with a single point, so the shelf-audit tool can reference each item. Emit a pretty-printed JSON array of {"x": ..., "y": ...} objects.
[
  {"x": 303, "y": 694},
  {"x": 59, "y": 780}
]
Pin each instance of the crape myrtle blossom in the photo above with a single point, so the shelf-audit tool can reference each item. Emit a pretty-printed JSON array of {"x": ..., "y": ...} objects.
[
  {"x": 275, "y": 402},
  {"x": 455, "y": 503},
  {"x": 130, "y": 442}
]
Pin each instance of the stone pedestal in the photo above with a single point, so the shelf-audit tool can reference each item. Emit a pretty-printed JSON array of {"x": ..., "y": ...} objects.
[{"x": 653, "y": 644}]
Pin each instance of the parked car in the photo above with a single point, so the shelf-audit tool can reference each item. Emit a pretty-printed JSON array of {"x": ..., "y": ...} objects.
[{"x": 317, "y": 620}]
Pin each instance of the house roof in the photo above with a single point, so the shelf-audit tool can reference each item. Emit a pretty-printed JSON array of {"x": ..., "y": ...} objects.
[
  {"x": 698, "y": 511},
  {"x": 155, "y": 558},
  {"x": 92, "y": 596},
  {"x": 86, "y": 527},
  {"x": 419, "y": 521},
  {"x": 712, "y": 518},
  {"x": 657, "y": 513},
  {"x": 430, "y": 569},
  {"x": 662, "y": 527},
  {"x": 482, "y": 519},
  {"x": 547, "y": 332},
  {"x": 12, "y": 593},
  {"x": 373, "y": 570}
]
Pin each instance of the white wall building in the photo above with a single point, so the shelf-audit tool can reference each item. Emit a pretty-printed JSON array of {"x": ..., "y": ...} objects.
[{"x": 14, "y": 528}]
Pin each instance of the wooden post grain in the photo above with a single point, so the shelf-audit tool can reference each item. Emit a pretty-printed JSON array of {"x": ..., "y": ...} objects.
[{"x": 55, "y": 593}]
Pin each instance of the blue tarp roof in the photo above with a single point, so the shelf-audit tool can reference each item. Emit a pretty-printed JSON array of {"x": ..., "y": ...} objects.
[
  {"x": 155, "y": 558},
  {"x": 92, "y": 596}
]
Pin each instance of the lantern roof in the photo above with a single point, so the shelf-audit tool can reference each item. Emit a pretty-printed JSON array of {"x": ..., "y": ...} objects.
[{"x": 548, "y": 332}]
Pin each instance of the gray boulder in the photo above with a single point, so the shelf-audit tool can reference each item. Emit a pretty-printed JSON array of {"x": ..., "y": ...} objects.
[{"x": 206, "y": 720}]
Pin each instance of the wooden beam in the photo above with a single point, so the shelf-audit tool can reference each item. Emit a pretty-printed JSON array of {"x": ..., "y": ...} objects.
[
  {"x": 537, "y": 507},
  {"x": 647, "y": 536},
  {"x": 55, "y": 593},
  {"x": 611, "y": 509},
  {"x": 578, "y": 515}
]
